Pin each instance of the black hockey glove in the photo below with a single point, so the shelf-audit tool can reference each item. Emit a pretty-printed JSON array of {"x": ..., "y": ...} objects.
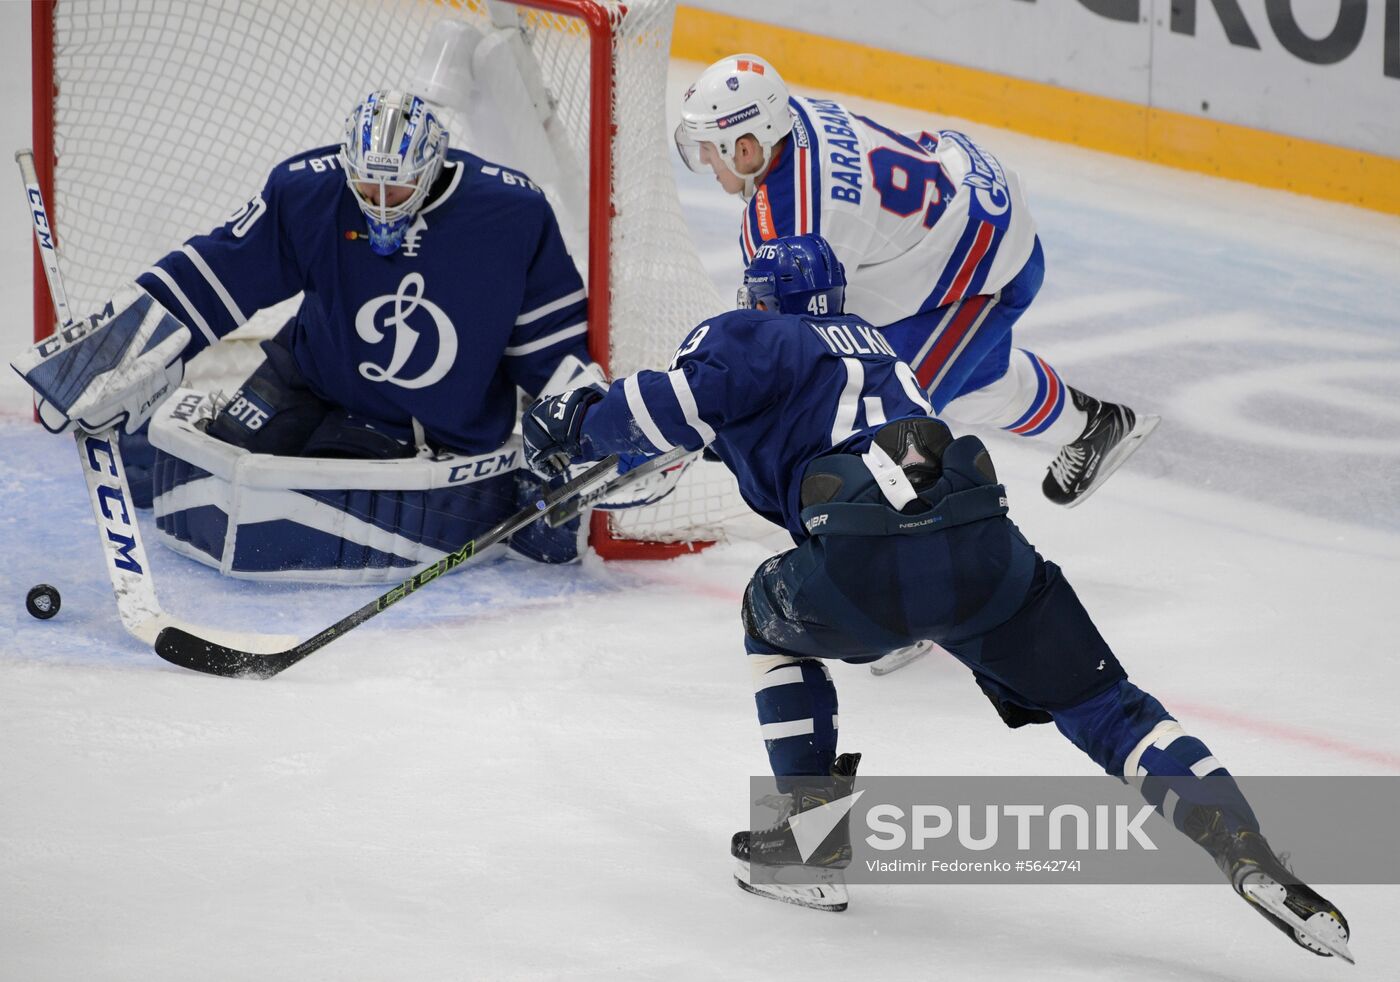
[{"x": 551, "y": 430}]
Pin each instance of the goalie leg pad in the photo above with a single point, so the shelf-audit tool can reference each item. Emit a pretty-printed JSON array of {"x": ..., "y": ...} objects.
[
  {"x": 542, "y": 542},
  {"x": 258, "y": 516}
]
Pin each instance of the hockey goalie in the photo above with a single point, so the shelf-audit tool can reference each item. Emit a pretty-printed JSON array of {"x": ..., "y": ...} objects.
[{"x": 376, "y": 434}]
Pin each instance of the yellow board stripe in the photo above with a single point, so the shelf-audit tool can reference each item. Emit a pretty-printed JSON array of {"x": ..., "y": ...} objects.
[{"x": 1176, "y": 139}]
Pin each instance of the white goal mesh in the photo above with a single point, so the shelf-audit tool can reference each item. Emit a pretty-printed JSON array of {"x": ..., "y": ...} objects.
[{"x": 170, "y": 113}]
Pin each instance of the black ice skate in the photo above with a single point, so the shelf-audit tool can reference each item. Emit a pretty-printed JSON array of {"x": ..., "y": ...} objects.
[
  {"x": 1109, "y": 438},
  {"x": 1244, "y": 856},
  {"x": 812, "y": 880}
]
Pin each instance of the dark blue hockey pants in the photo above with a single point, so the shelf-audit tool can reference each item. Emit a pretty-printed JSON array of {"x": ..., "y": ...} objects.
[{"x": 984, "y": 594}]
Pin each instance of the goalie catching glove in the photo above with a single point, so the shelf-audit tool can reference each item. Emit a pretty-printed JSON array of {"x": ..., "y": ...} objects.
[{"x": 111, "y": 369}]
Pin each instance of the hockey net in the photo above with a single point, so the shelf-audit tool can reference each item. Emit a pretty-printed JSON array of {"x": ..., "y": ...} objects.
[{"x": 153, "y": 118}]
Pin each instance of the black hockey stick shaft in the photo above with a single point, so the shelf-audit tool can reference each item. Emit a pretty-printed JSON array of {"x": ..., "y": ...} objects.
[{"x": 182, "y": 648}]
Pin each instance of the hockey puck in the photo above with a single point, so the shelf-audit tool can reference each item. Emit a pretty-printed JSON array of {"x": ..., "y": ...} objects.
[{"x": 43, "y": 601}]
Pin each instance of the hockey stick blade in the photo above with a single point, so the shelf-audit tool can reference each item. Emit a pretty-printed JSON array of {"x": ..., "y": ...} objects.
[
  {"x": 569, "y": 510},
  {"x": 180, "y": 647}
]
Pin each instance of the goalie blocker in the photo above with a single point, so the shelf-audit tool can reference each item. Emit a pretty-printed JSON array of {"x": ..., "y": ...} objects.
[{"x": 266, "y": 517}]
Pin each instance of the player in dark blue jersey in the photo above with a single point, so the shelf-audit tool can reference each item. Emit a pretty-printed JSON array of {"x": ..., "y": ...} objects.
[
  {"x": 433, "y": 285},
  {"x": 901, "y": 533}
]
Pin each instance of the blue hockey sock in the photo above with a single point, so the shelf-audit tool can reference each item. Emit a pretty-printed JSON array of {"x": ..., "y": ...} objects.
[
  {"x": 1179, "y": 772},
  {"x": 796, "y": 714},
  {"x": 1130, "y": 734}
]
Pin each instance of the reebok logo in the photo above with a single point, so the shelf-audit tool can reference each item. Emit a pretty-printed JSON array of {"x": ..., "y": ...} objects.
[{"x": 810, "y": 828}]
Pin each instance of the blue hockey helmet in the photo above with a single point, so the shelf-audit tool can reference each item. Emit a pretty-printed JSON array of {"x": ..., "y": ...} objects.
[
  {"x": 393, "y": 151},
  {"x": 795, "y": 275}
]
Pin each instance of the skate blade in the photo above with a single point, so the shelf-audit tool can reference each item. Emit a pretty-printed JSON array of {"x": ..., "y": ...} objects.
[
  {"x": 829, "y": 893},
  {"x": 1321, "y": 932},
  {"x": 1116, "y": 457},
  {"x": 900, "y": 657}
]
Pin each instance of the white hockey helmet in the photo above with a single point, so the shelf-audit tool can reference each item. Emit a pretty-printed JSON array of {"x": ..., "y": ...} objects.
[
  {"x": 741, "y": 95},
  {"x": 392, "y": 140}
]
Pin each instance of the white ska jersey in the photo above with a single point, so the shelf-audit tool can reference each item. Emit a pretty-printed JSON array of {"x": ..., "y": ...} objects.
[{"x": 920, "y": 221}]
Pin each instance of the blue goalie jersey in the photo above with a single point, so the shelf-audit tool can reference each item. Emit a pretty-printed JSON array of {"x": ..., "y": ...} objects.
[
  {"x": 768, "y": 393},
  {"x": 481, "y": 298}
]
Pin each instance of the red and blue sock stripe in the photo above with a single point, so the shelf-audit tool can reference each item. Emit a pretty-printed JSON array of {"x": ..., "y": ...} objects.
[{"x": 1048, "y": 403}]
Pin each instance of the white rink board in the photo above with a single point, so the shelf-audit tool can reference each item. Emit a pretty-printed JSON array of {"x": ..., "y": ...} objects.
[{"x": 1137, "y": 55}]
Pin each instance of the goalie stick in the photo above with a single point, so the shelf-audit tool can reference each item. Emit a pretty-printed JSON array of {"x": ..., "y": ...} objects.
[
  {"x": 183, "y": 648},
  {"x": 109, "y": 494}
]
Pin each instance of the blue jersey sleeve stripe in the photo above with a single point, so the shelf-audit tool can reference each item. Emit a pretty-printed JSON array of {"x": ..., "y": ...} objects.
[
  {"x": 215, "y": 284},
  {"x": 686, "y": 398},
  {"x": 633, "y": 392},
  {"x": 548, "y": 341},
  {"x": 186, "y": 311},
  {"x": 530, "y": 316}
]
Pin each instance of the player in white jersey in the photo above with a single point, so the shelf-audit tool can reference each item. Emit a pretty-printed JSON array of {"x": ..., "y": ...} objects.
[{"x": 941, "y": 253}]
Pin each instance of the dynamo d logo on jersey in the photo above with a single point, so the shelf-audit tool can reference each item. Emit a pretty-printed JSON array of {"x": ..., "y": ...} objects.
[
  {"x": 397, "y": 309},
  {"x": 748, "y": 112}
]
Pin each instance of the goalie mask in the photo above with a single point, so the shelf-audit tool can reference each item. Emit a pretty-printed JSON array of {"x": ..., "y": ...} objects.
[
  {"x": 393, "y": 151},
  {"x": 796, "y": 275},
  {"x": 741, "y": 95}
]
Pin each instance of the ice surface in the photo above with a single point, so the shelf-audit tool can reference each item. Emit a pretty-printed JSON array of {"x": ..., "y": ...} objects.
[{"x": 528, "y": 772}]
